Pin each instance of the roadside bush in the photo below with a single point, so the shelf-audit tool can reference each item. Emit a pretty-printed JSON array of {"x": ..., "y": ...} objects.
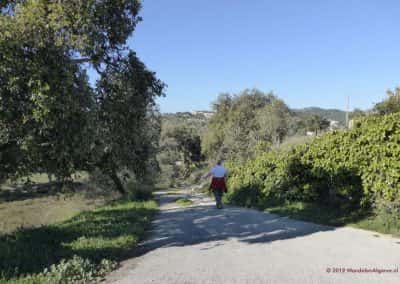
[
  {"x": 75, "y": 270},
  {"x": 247, "y": 196},
  {"x": 278, "y": 175},
  {"x": 353, "y": 168}
]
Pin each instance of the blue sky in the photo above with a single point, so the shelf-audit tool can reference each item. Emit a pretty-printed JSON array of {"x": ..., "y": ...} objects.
[{"x": 308, "y": 52}]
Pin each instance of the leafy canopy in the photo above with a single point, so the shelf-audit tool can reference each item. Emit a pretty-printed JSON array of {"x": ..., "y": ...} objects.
[{"x": 52, "y": 120}]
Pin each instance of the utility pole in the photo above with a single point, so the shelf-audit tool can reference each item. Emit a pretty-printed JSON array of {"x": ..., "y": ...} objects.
[{"x": 347, "y": 112}]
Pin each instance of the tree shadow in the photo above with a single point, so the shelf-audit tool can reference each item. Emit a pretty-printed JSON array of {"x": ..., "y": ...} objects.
[
  {"x": 204, "y": 224},
  {"x": 98, "y": 234},
  {"x": 94, "y": 235}
]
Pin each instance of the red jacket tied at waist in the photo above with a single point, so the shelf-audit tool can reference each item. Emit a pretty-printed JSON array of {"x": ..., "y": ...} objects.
[{"x": 218, "y": 184}]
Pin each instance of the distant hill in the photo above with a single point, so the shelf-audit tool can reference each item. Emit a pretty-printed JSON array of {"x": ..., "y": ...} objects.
[
  {"x": 330, "y": 114},
  {"x": 200, "y": 118},
  {"x": 197, "y": 119}
]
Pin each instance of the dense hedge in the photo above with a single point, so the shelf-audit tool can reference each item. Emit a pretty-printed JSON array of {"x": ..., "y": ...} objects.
[{"x": 354, "y": 167}]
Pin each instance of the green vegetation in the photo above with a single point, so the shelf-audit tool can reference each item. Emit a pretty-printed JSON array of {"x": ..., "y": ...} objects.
[
  {"x": 295, "y": 140},
  {"x": 383, "y": 222},
  {"x": 252, "y": 121},
  {"x": 52, "y": 120},
  {"x": 79, "y": 250},
  {"x": 391, "y": 104},
  {"x": 330, "y": 114},
  {"x": 180, "y": 155},
  {"x": 45, "y": 210},
  {"x": 184, "y": 202},
  {"x": 351, "y": 172},
  {"x": 198, "y": 120},
  {"x": 55, "y": 125},
  {"x": 239, "y": 126},
  {"x": 313, "y": 212},
  {"x": 233, "y": 130},
  {"x": 180, "y": 150}
]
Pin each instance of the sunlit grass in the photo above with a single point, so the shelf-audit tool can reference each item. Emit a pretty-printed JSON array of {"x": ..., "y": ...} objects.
[
  {"x": 109, "y": 232},
  {"x": 386, "y": 224},
  {"x": 295, "y": 140},
  {"x": 35, "y": 212}
]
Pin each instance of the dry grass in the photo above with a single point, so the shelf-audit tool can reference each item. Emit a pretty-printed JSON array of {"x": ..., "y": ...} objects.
[
  {"x": 76, "y": 230},
  {"x": 295, "y": 140},
  {"x": 43, "y": 203},
  {"x": 44, "y": 210},
  {"x": 40, "y": 179}
]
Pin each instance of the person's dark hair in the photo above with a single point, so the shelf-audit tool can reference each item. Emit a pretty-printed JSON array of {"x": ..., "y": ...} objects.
[{"x": 219, "y": 162}]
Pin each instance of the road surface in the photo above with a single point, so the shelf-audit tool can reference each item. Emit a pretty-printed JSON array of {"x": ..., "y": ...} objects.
[{"x": 201, "y": 244}]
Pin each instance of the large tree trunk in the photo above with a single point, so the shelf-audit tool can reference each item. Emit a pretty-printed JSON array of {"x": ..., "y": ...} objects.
[
  {"x": 118, "y": 184},
  {"x": 108, "y": 167}
]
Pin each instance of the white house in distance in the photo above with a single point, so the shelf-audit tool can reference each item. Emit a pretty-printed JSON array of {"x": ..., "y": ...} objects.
[
  {"x": 333, "y": 124},
  {"x": 207, "y": 114}
]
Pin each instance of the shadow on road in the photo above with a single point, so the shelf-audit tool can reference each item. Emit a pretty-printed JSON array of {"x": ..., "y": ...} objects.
[{"x": 204, "y": 223}]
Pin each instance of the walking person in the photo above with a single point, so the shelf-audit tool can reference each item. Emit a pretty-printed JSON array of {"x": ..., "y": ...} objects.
[{"x": 218, "y": 182}]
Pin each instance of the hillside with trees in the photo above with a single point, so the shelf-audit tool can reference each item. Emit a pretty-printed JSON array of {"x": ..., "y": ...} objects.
[
  {"x": 238, "y": 126},
  {"x": 252, "y": 120},
  {"x": 329, "y": 114}
]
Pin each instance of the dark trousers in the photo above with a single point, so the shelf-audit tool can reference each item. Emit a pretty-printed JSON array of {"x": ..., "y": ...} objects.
[{"x": 218, "y": 197}]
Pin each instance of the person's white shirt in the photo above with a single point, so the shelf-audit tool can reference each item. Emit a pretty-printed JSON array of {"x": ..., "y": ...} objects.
[{"x": 218, "y": 171}]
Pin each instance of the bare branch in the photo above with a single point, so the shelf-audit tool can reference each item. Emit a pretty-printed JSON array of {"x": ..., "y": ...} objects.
[{"x": 81, "y": 60}]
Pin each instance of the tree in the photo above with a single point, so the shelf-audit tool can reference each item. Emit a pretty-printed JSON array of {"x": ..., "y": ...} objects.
[
  {"x": 391, "y": 104},
  {"x": 242, "y": 123},
  {"x": 181, "y": 143},
  {"x": 357, "y": 113},
  {"x": 212, "y": 140},
  {"x": 273, "y": 121},
  {"x": 234, "y": 130},
  {"x": 51, "y": 119},
  {"x": 45, "y": 100},
  {"x": 126, "y": 93},
  {"x": 316, "y": 123},
  {"x": 92, "y": 31}
]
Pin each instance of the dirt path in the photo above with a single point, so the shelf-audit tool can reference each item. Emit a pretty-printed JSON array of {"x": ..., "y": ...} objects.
[{"x": 201, "y": 244}]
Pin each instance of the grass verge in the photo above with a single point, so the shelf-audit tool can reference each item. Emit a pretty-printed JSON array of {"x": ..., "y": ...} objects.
[
  {"x": 40, "y": 211},
  {"x": 383, "y": 223},
  {"x": 81, "y": 249},
  {"x": 184, "y": 202}
]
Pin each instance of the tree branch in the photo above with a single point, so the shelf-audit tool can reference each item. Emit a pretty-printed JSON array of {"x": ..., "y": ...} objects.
[{"x": 81, "y": 60}]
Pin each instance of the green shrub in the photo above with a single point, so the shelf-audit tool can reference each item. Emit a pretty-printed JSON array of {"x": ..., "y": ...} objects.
[
  {"x": 74, "y": 270},
  {"x": 347, "y": 168}
]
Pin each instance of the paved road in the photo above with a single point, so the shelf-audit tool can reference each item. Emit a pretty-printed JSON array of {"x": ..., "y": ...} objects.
[{"x": 201, "y": 244}]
